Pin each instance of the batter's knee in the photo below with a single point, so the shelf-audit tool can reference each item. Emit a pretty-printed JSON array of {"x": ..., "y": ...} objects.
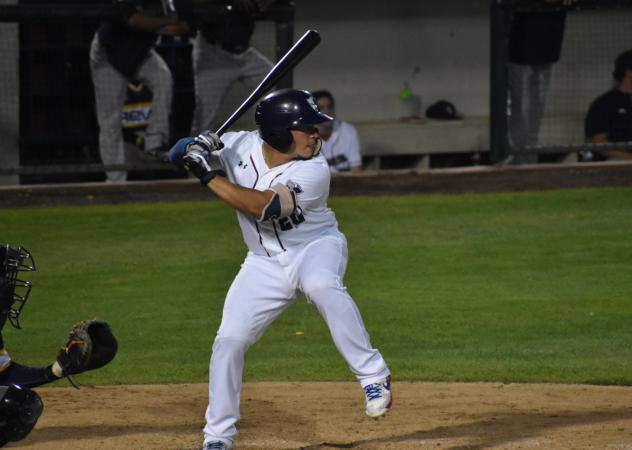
[{"x": 230, "y": 344}]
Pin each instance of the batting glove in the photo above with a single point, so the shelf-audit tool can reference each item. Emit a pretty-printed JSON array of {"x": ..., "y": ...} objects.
[
  {"x": 209, "y": 141},
  {"x": 202, "y": 164}
]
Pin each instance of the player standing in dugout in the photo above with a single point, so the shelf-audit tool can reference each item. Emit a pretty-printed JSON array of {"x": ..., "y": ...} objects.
[{"x": 279, "y": 184}]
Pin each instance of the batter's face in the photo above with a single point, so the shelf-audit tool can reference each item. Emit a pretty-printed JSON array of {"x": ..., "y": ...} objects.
[{"x": 305, "y": 142}]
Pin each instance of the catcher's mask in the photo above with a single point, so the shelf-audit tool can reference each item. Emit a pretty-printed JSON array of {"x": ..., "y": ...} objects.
[
  {"x": 285, "y": 110},
  {"x": 14, "y": 292},
  {"x": 20, "y": 408}
]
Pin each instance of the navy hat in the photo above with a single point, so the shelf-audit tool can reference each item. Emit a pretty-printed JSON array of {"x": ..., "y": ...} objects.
[
  {"x": 443, "y": 110},
  {"x": 284, "y": 110}
]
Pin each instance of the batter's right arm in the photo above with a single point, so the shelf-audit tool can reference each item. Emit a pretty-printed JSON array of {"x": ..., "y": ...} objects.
[
  {"x": 198, "y": 156},
  {"x": 274, "y": 203},
  {"x": 246, "y": 200}
]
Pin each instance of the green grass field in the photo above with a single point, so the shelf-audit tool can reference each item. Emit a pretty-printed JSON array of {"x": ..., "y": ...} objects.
[{"x": 525, "y": 287}]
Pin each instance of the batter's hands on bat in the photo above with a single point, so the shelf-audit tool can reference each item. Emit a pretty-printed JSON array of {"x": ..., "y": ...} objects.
[
  {"x": 202, "y": 163},
  {"x": 209, "y": 141}
]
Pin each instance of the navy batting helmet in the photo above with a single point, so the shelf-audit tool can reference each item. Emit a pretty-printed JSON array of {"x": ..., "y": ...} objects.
[
  {"x": 13, "y": 291},
  {"x": 285, "y": 110},
  {"x": 20, "y": 408}
]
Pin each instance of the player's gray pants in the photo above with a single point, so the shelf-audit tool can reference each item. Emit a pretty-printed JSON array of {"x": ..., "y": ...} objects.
[
  {"x": 214, "y": 71},
  {"x": 110, "y": 88},
  {"x": 528, "y": 87},
  {"x": 263, "y": 289}
]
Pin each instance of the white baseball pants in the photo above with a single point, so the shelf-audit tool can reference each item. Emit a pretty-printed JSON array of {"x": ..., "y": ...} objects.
[{"x": 263, "y": 289}]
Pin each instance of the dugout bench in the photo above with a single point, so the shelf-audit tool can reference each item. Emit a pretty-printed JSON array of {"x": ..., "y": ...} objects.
[{"x": 423, "y": 138}]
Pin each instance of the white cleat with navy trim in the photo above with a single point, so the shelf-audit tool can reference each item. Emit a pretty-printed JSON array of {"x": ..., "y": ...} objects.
[{"x": 378, "y": 398}]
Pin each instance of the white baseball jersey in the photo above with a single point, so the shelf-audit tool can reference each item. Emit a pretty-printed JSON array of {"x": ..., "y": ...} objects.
[{"x": 244, "y": 163}]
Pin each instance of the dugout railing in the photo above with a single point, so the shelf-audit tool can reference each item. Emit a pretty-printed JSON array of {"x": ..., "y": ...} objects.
[
  {"x": 48, "y": 129},
  {"x": 596, "y": 32}
]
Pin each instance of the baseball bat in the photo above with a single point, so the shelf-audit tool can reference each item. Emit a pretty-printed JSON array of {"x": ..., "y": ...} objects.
[{"x": 299, "y": 50}]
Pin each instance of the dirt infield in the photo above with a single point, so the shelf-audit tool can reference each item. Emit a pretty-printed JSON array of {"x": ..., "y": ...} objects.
[
  {"x": 328, "y": 415},
  {"x": 454, "y": 416}
]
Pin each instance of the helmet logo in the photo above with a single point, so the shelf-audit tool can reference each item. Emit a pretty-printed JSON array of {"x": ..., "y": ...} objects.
[{"x": 312, "y": 103}]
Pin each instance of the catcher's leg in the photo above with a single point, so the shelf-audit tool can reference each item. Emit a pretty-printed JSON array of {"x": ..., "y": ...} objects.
[
  {"x": 21, "y": 408},
  {"x": 257, "y": 296}
]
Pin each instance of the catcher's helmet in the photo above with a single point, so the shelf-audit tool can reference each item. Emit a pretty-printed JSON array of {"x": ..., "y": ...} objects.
[
  {"x": 14, "y": 292},
  {"x": 284, "y": 110},
  {"x": 20, "y": 408}
]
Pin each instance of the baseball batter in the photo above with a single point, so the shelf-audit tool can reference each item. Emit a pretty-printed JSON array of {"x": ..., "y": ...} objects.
[{"x": 279, "y": 184}]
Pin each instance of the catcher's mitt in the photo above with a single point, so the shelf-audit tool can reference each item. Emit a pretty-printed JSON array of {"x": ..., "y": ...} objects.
[{"x": 91, "y": 344}]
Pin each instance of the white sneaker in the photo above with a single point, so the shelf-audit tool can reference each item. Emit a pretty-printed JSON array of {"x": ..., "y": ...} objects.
[{"x": 378, "y": 398}]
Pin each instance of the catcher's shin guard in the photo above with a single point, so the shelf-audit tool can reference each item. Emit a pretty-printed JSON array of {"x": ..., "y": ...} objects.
[{"x": 20, "y": 408}]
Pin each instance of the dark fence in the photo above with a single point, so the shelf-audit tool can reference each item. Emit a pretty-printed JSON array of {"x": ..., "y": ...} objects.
[
  {"x": 56, "y": 128},
  {"x": 596, "y": 31}
]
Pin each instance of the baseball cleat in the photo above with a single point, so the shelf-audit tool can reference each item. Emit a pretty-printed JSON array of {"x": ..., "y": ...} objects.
[
  {"x": 378, "y": 398},
  {"x": 215, "y": 445}
]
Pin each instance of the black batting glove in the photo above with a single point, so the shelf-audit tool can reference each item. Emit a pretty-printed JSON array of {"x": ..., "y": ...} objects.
[
  {"x": 202, "y": 164},
  {"x": 209, "y": 141}
]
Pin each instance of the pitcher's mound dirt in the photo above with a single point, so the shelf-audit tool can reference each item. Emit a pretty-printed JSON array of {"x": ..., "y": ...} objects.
[{"x": 331, "y": 416}]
